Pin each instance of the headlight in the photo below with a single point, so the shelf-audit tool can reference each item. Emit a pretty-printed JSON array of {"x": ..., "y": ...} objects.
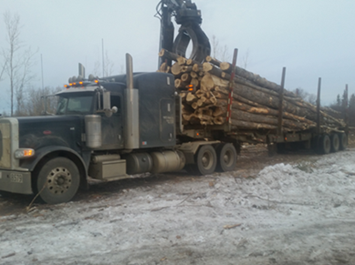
[{"x": 24, "y": 153}]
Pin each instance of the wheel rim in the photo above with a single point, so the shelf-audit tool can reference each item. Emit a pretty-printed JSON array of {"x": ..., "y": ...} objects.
[
  {"x": 207, "y": 160},
  {"x": 228, "y": 158},
  {"x": 336, "y": 143},
  {"x": 327, "y": 144},
  {"x": 59, "y": 180}
]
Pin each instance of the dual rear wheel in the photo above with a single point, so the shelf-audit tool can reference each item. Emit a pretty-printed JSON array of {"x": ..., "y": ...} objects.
[
  {"x": 208, "y": 159},
  {"x": 332, "y": 143}
]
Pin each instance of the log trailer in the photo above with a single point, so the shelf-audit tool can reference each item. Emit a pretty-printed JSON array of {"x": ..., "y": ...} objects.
[{"x": 113, "y": 127}]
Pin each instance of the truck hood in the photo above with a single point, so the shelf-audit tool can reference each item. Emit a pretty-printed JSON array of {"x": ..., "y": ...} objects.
[{"x": 39, "y": 131}]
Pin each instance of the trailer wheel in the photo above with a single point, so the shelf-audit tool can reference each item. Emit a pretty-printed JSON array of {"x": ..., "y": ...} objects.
[
  {"x": 343, "y": 141},
  {"x": 58, "y": 181},
  {"x": 335, "y": 142},
  {"x": 324, "y": 144},
  {"x": 205, "y": 161},
  {"x": 227, "y": 157}
]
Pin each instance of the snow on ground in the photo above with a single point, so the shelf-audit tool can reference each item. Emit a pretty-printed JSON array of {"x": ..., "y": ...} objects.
[{"x": 300, "y": 213}]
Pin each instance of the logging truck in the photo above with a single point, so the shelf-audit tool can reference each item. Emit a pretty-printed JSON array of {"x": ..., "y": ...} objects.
[
  {"x": 188, "y": 115},
  {"x": 114, "y": 127}
]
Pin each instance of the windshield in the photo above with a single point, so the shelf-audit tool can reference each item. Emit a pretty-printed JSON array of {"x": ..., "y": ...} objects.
[{"x": 74, "y": 104}]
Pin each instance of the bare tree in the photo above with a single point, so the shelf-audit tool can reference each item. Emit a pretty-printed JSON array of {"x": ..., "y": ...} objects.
[
  {"x": 218, "y": 52},
  {"x": 35, "y": 101},
  {"x": 19, "y": 60},
  {"x": 107, "y": 69},
  {"x": 3, "y": 69},
  {"x": 108, "y": 65},
  {"x": 96, "y": 70},
  {"x": 311, "y": 98},
  {"x": 245, "y": 60}
]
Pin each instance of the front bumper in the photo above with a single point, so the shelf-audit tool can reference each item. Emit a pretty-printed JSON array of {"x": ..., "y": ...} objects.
[{"x": 15, "y": 181}]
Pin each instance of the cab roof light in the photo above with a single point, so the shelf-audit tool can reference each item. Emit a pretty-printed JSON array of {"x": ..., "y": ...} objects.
[{"x": 96, "y": 81}]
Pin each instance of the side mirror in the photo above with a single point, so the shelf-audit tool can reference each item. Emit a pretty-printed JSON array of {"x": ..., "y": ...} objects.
[{"x": 109, "y": 112}]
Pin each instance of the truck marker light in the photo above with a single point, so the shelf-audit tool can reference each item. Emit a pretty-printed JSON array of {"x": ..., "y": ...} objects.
[
  {"x": 66, "y": 86},
  {"x": 47, "y": 132},
  {"x": 190, "y": 88},
  {"x": 81, "y": 83},
  {"x": 24, "y": 153},
  {"x": 96, "y": 81}
]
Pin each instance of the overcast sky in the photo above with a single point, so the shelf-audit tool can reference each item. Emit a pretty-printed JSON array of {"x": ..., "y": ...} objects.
[{"x": 311, "y": 38}]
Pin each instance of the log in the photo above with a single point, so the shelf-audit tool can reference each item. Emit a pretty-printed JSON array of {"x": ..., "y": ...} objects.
[
  {"x": 176, "y": 69},
  {"x": 207, "y": 82},
  {"x": 209, "y": 68},
  {"x": 168, "y": 55},
  {"x": 193, "y": 75},
  {"x": 195, "y": 82},
  {"x": 267, "y": 119},
  {"x": 191, "y": 62},
  {"x": 185, "y": 68},
  {"x": 177, "y": 83},
  {"x": 190, "y": 97},
  {"x": 211, "y": 60},
  {"x": 197, "y": 68},
  {"x": 257, "y": 79},
  {"x": 238, "y": 124},
  {"x": 262, "y": 98},
  {"x": 186, "y": 78},
  {"x": 181, "y": 60}
]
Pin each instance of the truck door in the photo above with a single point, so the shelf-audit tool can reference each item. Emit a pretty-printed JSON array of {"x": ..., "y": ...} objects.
[{"x": 112, "y": 127}]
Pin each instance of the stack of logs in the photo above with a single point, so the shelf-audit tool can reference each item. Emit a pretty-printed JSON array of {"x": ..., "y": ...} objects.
[{"x": 255, "y": 100}]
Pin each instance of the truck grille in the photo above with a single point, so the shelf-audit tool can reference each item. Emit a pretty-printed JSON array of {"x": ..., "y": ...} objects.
[{"x": 8, "y": 142}]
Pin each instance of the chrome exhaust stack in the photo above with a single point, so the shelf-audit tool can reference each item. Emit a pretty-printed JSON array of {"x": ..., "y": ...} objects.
[{"x": 131, "y": 98}]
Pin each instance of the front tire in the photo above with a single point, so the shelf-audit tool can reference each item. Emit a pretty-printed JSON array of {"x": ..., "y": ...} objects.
[{"x": 58, "y": 180}]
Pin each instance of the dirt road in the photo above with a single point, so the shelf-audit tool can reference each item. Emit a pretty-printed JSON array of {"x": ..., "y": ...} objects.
[{"x": 286, "y": 209}]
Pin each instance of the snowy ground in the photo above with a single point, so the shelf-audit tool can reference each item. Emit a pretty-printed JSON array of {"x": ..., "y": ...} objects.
[{"x": 297, "y": 213}]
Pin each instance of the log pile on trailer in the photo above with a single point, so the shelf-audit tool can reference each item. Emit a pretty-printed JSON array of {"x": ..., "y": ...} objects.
[{"x": 256, "y": 101}]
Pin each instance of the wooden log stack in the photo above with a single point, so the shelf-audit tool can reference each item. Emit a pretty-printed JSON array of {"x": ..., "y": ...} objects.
[{"x": 255, "y": 100}]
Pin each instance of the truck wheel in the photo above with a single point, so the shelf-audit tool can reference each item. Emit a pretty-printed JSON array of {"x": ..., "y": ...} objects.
[
  {"x": 206, "y": 160},
  {"x": 324, "y": 144},
  {"x": 335, "y": 142},
  {"x": 343, "y": 141},
  {"x": 58, "y": 180},
  {"x": 227, "y": 157}
]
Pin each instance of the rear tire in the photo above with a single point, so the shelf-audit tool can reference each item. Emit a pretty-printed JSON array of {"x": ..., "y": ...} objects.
[
  {"x": 343, "y": 141},
  {"x": 58, "y": 180},
  {"x": 324, "y": 144},
  {"x": 205, "y": 161},
  {"x": 227, "y": 157},
  {"x": 335, "y": 142}
]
